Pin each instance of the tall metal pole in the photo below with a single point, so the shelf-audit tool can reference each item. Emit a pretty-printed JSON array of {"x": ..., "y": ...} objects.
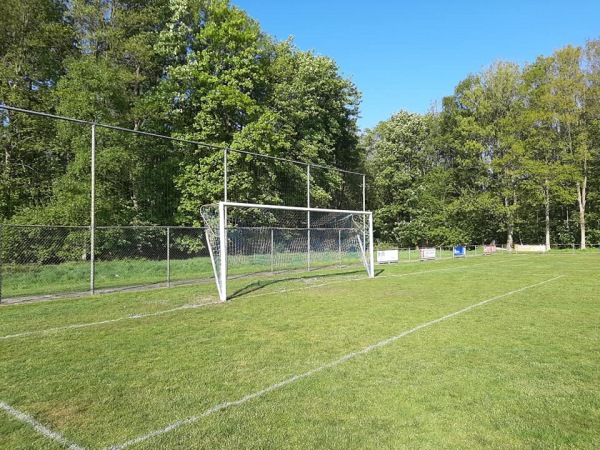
[
  {"x": 308, "y": 214},
  {"x": 340, "y": 248},
  {"x": 0, "y": 263},
  {"x": 223, "y": 250},
  {"x": 168, "y": 256},
  {"x": 364, "y": 191},
  {"x": 223, "y": 232},
  {"x": 364, "y": 205},
  {"x": 372, "y": 261},
  {"x": 225, "y": 175},
  {"x": 93, "y": 211},
  {"x": 272, "y": 251}
]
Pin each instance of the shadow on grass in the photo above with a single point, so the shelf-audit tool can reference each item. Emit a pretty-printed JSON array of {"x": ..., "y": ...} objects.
[{"x": 261, "y": 284}]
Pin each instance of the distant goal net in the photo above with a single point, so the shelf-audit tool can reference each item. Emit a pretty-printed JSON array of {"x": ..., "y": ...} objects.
[{"x": 251, "y": 238}]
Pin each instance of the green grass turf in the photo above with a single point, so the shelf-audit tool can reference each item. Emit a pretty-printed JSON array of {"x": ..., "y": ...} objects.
[
  {"x": 73, "y": 277},
  {"x": 30, "y": 280},
  {"x": 521, "y": 371}
]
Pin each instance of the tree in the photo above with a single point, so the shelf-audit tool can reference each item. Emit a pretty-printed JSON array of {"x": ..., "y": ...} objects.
[
  {"x": 483, "y": 120},
  {"x": 35, "y": 39},
  {"x": 229, "y": 84},
  {"x": 398, "y": 160},
  {"x": 557, "y": 141},
  {"x": 109, "y": 81}
]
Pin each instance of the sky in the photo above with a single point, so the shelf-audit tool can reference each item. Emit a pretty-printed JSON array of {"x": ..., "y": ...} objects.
[{"x": 407, "y": 55}]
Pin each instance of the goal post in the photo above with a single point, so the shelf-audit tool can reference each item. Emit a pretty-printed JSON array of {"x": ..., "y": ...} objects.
[{"x": 246, "y": 238}]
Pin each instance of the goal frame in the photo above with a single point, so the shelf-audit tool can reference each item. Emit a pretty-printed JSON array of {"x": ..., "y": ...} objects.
[{"x": 221, "y": 271}]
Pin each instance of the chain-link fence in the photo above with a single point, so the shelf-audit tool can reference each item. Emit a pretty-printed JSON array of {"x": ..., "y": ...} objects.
[
  {"x": 40, "y": 261},
  {"x": 100, "y": 182}
]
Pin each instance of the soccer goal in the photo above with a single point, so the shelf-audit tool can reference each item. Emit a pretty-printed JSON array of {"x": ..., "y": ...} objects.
[{"x": 252, "y": 238}]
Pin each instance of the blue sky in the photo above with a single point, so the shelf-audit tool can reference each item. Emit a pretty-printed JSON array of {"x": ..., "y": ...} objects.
[{"x": 410, "y": 54}]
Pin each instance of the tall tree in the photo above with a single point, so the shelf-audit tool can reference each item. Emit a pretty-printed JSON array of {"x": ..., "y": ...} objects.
[
  {"x": 555, "y": 140},
  {"x": 592, "y": 125},
  {"x": 109, "y": 81},
  {"x": 35, "y": 38},
  {"x": 499, "y": 111},
  {"x": 586, "y": 148},
  {"x": 398, "y": 160},
  {"x": 229, "y": 84}
]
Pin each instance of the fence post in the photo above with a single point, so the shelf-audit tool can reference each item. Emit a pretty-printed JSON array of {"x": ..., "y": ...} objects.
[
  {"x": 223, "y": 245},
  {"x": 168, "y": 256},
  {"x": 272, "y": 251},
  {"x": 340, "y": 248},
  {"x": 308, "y": 214},
  {"x": 364, "y": 192},
  {"x": 225, "y": 175},
  {"x": 1, "y": 228},
  {"x": 93, "y": 210},
  {"x": 371, "y": 245}
]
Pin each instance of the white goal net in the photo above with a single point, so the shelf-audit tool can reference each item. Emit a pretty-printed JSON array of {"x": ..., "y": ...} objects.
[{"x": 249, "y": 238}]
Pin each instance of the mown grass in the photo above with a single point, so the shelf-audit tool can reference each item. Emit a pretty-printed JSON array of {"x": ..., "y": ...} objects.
[
  {"x": 72, "y": 277},
  {"x": 521, "y": 371}
]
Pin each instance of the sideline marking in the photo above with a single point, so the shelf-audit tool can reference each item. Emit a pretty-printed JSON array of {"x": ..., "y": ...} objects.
[
  {"x": 421, "y": 272},
  {"x": 197, "y": 305},
  {"x": 37, "y": 426},
  {"x": 295, "y": 378}
]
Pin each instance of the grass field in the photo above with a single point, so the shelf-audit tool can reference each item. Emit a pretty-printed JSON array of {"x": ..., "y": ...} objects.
[
  {"x": 486, "y": 352},
  {"x": 30, "y": 280},
  {"x": 74, "y": 277}
]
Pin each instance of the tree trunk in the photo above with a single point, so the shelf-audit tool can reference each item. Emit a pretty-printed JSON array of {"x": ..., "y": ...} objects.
[
  {"x": 547, "y": 211},
  {"x": 581, "y": 200},
  {"x": 509, "y": 226}
]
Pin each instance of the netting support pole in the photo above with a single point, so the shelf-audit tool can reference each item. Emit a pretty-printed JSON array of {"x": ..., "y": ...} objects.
[
  {"x": 223, "y": 250},
  {"x": 225, "y": 175},
  {"x": 308, "y": 215},
  {"x": 0, "y": 263},
  {"x": 340, "y": 248},
  {"x": 93, "y": 212},
  {"x": 168, "y": 256},
  {"x": 371, "y": 260},
  {"x": 364, "y": 205},
  {"x": 272, "y": 251},
  {"x": 364, "y": 191}
]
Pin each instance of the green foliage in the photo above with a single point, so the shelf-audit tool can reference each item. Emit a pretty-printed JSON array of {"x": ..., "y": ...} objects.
[
  {"x": 510, "y": 154},
  {"x": 231, "y": 84},
  {"x": 396, "y": 163},
  {"x": 513, "y": 155},
  {"x": 35, "y": 39}
]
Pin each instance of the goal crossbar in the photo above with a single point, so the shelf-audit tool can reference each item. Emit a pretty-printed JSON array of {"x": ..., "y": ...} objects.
[
  {"x": 292, "y": 208},
  {"x": 240, "y": 235}
]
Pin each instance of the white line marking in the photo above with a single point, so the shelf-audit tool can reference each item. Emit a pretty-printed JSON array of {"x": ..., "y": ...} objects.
[
  {"x": 190, "y": 306},
  {"x": 295, "y": 378},
  {"x": 104, "y": 322},
  {"x": 194, "y": 305},
  {"x": 37, "y": 426},
  {"x": 345, "y": 280}
]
